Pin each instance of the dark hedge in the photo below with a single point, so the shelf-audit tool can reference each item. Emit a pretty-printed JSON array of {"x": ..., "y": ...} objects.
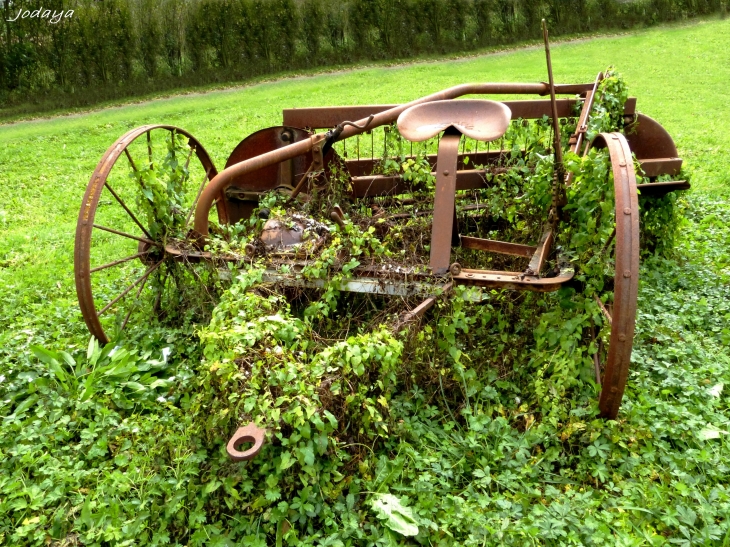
[{"x": 109, "y": 49}]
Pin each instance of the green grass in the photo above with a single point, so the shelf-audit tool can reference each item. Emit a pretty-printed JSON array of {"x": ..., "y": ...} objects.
[{"x": 664, "y": 483}]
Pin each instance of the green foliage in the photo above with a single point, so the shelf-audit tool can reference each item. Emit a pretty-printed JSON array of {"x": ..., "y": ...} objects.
[
  {"x": 162, "y": 198},
  {"x": 470, "y": 450}
]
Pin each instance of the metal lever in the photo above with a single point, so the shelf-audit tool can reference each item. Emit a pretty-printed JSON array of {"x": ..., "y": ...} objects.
[{"x": 333, "y": 135}]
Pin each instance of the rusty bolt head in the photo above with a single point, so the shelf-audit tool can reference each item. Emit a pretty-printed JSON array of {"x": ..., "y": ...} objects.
[
  {"x": 622, "y": 337},
  {"x": 446, "y": 172},
  {"x": 627, "y": 211},
  {"x": 627, "y": 273}
]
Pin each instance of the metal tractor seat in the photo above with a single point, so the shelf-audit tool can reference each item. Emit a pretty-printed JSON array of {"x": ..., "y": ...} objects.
[
  {"x": 478, "y": 119},
  {"x": 482, "y": 120}
]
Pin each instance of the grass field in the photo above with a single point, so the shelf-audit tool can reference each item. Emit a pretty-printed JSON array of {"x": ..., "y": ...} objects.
[{"x": 664, "y": 477}]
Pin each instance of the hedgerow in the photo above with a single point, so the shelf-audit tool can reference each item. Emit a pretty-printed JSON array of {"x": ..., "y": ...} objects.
[{"x": 111, "y": 49}]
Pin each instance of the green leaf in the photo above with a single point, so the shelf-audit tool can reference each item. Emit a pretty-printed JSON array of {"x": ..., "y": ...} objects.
[
  {"x": 395, "y": 515},
  {"x": 25, "y": 405}
]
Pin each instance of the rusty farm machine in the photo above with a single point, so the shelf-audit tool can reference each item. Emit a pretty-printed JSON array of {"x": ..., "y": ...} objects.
[{"x": 125, "y": 248}]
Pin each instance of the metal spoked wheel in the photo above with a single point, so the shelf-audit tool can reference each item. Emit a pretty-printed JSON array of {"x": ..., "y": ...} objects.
[
  {"x": 134, "y": 218},
  {"x": 614, "y": 333}
]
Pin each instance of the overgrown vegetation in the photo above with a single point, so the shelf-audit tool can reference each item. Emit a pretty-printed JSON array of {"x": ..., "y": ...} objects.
[
  {"x": 114, "y": 446},
  {"x": 114, "y": 48}
]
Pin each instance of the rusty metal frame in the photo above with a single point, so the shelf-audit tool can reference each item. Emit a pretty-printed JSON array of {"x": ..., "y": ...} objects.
[
  {"x": 626, "y": 280},
  {"x": 655, "y": 152},
  {"x": 218, "y": 185}
]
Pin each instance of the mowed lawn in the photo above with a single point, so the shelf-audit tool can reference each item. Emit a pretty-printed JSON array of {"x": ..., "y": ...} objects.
[{"x": 679, "y": 74}]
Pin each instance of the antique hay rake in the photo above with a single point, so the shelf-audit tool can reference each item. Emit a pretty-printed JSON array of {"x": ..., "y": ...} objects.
[{"x": 129, "y": 244}]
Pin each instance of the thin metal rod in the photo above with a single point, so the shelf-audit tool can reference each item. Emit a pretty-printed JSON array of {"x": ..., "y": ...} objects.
[
  {"x": 133, "y": 285},
  {"x": 149, "y": 149},
  {"x": 604, "y": 311},
  {"x": 608, "y": 241},
  {"x": 131, "y": 308},
  {"x": 124, "y": 206},
  {"x": 117, "y": 262},
  {"x": 187, "y": 162},
  {"x": 596, "y": 360},
  {"x": 156, "y": 305},
  {"x": 553, "y": 102},
  {"x": 423, "y": 307},
  {"x": 125, "y": 234},
  {"x": 134, "y": 168},
  {"x": 131, "y": 161},
  {"x": 300, "y": 185}
]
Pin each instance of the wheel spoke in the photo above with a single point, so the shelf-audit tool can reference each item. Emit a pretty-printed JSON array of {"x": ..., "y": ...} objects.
[
  {"x": 156, "y": 305},
  {"x": 130, "y": 213},
  {"x": 125, "y": 234},
  {"x": 604, "y": 310},
  {"x": 608, "y": 241},
  {"x": 149, "y": 149},
  {"x": 143, "y": 277},
  {"x": 131, "y": 162},
  {"x": 131, "y": 308},
  {"x": 116, "y": 262}
]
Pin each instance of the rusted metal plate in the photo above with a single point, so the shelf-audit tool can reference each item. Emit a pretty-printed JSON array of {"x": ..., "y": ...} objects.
[
  {"x": 648, "y": 139},
  {"x": 274, "y": 175},
  {"x": 501, "y": 247},
  {"x": 661, "y": 166},
  {"x": 477, "y": 119},
  {"x": 281, "y": 174},
  {"x": 656, "y": 189},
  {"x": 517, "y": 281},
  {"x": 541, "y": 253},
  {"x": 278, "y": 234},
  {"x": 444, "y": 200},
  {"x": 391, "y": 185}
]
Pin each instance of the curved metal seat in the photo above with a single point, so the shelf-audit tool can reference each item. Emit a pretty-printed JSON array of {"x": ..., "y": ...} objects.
[{"x": 476, "y": 118}]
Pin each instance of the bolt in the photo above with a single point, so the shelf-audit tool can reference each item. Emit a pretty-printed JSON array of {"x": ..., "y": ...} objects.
[
  {"x": 627, "y": 273},
  {"x": 627, "y": 211},
  {"x": 622, "y": 337},
  {"x": 446, "y": 172}
]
